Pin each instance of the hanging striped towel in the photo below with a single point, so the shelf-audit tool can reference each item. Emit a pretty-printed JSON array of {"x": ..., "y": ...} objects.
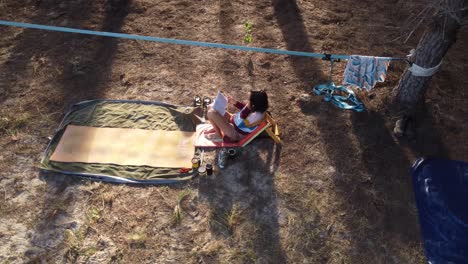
[{"x": 365, "y": 71}]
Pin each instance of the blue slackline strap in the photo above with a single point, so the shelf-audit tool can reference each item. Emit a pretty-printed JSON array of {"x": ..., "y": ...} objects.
[
  {"x": 349, "y": 102},
  {"x": 176, "y": 41}
]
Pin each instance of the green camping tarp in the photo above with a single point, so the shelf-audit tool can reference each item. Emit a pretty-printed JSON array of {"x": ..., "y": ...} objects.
[{"x": 124, "y": 114}]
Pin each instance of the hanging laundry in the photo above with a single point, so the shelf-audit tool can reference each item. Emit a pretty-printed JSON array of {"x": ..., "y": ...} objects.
[
  {"x": 365, "y": 71},
  {"x": 341, "y": 96}
]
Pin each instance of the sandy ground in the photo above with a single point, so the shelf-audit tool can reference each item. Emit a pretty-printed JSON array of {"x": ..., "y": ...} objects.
[{"x": 337, "y": 190}]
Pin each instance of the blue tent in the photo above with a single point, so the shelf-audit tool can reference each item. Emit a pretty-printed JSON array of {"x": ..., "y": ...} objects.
[{"x": 441, "y": 191}]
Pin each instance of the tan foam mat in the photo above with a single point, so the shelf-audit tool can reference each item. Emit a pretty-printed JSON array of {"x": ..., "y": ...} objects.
[{"x": 126, "y": 146}]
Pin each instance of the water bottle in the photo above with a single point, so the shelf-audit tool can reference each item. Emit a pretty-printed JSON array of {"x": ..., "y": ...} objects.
[{"x": 222, "y": 158}]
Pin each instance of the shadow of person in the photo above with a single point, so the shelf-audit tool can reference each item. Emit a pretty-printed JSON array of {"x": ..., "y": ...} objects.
[{"x": 243, "y": 205}]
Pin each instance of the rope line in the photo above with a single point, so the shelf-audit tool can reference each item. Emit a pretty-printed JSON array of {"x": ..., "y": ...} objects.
[
  {"x": 330, "y": 90},
  {"x": 179, "y": 41}
]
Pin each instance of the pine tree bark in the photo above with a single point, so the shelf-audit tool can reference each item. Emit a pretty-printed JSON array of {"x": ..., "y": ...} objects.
[{"x": 432, "y": 47}]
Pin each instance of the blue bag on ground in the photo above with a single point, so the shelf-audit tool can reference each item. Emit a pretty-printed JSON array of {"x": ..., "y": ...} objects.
[{"x": 441, "y": 191}]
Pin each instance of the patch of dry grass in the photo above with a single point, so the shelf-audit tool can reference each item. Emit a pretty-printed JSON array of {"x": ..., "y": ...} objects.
[
  {"x": 94, "y": 214},
  {"x": 225, "y": 221},
  {"x": 240, "y": 255},
  {"x": 12, "y": 123},
  {"x": 178, "y": 212},
  {"x": 137, "y": 237},
  {"x": 74, "y": 241},
  {"x": 5, "y": 206}
]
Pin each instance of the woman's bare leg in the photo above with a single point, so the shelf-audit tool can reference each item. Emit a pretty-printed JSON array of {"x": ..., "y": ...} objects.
[
  {"x": 211, "y": 114},
  {"x": 228, "y": 117},
  {"x": 222, "y": 125}
]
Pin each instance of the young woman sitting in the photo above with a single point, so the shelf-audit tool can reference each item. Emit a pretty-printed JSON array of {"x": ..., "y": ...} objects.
[{"x": 234, "y": 127}]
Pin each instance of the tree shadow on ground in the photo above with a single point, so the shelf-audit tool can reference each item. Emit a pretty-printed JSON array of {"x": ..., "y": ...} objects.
[
  {"x": 370, "y": 166},
  {"x": 78, "y": 65},
  {"x": 230, "y": 66},
  {"x": 392, "y": 215},
  {"x": 243, "y": 205},
  {"x": 290, "y": 21},
  {"x": 428, "y": 140},
  {"x": 57, "y": 215}
]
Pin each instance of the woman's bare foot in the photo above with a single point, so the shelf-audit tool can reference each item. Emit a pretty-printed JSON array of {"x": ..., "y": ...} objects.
[
  {"x": 214, "y": 137},
  {"x": 210, "y": 131}
]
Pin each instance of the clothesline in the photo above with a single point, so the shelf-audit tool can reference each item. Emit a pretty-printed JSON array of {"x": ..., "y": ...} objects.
[
  {"x": 182, "y": 42},
  {"x": 354, "y": 75}
]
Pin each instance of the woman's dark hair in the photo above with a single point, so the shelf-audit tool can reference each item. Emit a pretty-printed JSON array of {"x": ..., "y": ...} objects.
[{"x": 258, "y": 101}]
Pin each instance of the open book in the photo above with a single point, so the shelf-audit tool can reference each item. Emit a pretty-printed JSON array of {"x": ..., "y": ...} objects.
[{"x": 220, "y": 103}]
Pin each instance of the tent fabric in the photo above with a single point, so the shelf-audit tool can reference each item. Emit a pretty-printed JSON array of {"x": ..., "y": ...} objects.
[
  {"x": 441, "y": 191},
  {"x": 124, "y": 114}
]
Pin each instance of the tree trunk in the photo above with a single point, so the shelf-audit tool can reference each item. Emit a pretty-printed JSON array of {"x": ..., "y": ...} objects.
[{"x": 432, "y": 47}]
